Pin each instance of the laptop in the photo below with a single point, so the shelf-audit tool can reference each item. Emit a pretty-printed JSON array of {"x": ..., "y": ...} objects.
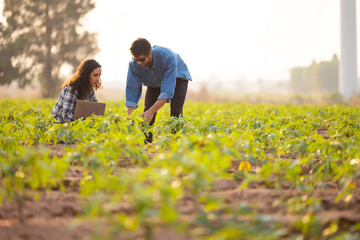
[{"x": 85, "y": 108}]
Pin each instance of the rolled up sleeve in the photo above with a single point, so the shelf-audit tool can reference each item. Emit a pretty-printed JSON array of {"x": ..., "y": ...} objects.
[
  {"x": 169, "y": 82},
  {"x": 133, "y": 88}
]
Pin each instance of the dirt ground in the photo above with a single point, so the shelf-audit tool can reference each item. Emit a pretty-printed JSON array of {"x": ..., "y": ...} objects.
[{"x": 55, "y": 215}]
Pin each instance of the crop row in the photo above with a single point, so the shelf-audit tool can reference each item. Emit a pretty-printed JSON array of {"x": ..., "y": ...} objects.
[{"x": 301, "y": 148}]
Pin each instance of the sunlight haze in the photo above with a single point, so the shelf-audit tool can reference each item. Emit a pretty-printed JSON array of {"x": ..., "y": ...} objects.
[{"x": 220, "y": 40}]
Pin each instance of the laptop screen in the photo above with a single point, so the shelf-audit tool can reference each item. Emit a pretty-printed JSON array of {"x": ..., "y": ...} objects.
[{"x": 85, "y": 108}]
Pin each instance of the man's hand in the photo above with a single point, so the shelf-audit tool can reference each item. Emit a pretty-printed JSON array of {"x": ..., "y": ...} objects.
[
  {"x": 148, "y": 115},
  {"x": 130, "y": 110}
]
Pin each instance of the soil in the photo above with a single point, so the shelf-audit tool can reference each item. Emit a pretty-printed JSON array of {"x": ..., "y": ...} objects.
[{"x": 56, "y": 214}]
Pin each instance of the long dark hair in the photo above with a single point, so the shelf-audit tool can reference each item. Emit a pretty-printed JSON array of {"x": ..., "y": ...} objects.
[{"x": 80, "y": 81}]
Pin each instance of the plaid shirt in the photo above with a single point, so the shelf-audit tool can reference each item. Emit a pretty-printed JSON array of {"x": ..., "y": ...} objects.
[{"x": 65, "y": 105}]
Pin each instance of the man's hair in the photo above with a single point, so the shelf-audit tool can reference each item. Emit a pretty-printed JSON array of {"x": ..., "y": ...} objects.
[{"x": 140, "y": 46}]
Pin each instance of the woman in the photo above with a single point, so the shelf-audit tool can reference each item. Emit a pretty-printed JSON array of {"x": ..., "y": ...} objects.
[{"x": 80, "y": 86}]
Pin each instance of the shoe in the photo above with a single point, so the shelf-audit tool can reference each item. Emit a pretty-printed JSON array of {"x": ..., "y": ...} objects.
[{"x": 148, "y": 138}]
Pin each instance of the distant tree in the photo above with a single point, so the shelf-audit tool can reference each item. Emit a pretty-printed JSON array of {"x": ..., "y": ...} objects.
[
  {"x": 317, "y": 77},
  {"x": 311, "y": 79},
  {"x": 7, "y": 71},
  {"x": 42, "y": 36},
  {"x": 295, "y": 79},
  {"x": 328, "y": 75},
  {"x": 300, "y": 80}
]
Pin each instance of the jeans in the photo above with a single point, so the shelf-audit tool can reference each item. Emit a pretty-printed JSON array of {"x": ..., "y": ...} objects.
[{"x": 176, "y": 103}]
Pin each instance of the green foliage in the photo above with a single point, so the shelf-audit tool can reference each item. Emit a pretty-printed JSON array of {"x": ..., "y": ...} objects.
[
  {"x": 309, "y": 225},
  {"x": 318, "y": 77},
  {"x": 24, "y": 169},
  {"x": 136, "y": 187}
]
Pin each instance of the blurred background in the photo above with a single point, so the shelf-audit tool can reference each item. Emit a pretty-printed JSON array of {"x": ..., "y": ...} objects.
[{"x": 273, "y": 50}]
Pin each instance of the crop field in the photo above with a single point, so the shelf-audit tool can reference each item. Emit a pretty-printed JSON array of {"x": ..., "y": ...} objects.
[{"x": 223, "y": 171}]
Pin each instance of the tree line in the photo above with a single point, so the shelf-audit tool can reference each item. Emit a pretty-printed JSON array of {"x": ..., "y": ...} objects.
[
  {"x": 40, "y": 37},
  {"x": 317, "y": 77}
]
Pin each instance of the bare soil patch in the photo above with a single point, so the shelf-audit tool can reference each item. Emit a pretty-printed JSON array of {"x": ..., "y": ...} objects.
[{"x": 55, "y": 215}]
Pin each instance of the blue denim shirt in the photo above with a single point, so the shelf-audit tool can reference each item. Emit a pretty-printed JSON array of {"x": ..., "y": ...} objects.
[{"x": 167, "y": 67}]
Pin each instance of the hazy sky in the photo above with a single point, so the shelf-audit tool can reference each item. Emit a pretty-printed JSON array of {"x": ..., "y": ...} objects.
[{"x": 220, "y": 40}]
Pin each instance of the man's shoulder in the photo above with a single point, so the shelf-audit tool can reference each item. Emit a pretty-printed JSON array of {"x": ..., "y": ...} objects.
[
  {"x": 163, "y": 50},
  {"x": 132, "y": 65},
  {"x": 163, "y": 53}
]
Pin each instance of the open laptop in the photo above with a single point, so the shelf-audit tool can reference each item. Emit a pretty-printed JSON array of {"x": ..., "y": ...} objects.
[{"x": 87, "y": 108}]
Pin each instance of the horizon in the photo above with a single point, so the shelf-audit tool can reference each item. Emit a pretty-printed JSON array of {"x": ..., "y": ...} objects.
[{"x": 222, "y": 46}]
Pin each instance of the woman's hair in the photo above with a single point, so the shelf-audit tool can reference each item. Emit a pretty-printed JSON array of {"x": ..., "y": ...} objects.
[
  {"x": 80, "y": 81},
  {"x": 140, "y": 46}
]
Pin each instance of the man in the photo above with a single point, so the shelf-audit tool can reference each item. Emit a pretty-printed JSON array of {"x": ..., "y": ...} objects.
[{"x": 163, "y": 72}]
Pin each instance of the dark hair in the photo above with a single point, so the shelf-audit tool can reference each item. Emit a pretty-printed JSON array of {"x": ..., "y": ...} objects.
[
  {"x": 80, "y": 81},
  {"x": 140, "y": 46}
]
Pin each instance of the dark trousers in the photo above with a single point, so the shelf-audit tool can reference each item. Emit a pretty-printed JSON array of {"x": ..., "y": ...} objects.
[{"x": 176, "y": 103}]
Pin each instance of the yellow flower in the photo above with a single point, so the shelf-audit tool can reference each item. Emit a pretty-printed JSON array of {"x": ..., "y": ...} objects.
[{"x": 244, "y": 166}]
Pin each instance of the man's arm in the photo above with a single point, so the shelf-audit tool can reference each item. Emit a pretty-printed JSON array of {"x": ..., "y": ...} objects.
[
  {"x": 133, "y": 88},
  {"x": 149, "y": 114},
  {"x": 168, "y": 83},
  {"x": 167, "y": 89}
]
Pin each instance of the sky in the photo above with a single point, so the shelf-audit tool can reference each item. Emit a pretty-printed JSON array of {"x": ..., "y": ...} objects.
[
  {"x": 226, "y": 40},
  {"x": 220, "y": 41}
]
